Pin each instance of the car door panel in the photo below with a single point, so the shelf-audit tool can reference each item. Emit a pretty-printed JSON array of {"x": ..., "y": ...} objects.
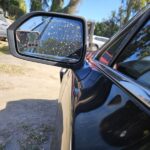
[
  {"x": 122, "y": 120},
  {"x": 90, "y": 97},
  {"x": 64, "y": 114},
  {"x": 119, "y": 123}
]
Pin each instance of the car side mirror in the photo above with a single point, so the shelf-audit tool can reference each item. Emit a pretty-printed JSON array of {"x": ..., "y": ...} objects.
[{"x": 49, "y": 38}]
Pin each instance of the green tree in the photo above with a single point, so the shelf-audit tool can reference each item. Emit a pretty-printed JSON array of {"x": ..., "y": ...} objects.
[
  {"x": 13, "y": 8},
  {"x": 36, "y": 5},
  {"x": 55, "y": 5},
  {"x": 4, "y": 6},
  {"x": 108, "y": 27},
  {"x": 129, "y": 8}
]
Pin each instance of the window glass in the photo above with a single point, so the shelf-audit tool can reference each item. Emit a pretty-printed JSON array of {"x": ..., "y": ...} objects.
[
  {"x": 111, "y": 51},
  {"x": 135, "y": 59}
]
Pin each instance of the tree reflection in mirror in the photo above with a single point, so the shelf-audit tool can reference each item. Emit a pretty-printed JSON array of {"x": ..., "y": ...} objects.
[{"x": 51, "y": 38}]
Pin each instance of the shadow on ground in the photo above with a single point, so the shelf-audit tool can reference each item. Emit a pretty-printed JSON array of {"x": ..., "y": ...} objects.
[
  {"x": 28, "y": 124},
  {"x": 4, "y": 49}
]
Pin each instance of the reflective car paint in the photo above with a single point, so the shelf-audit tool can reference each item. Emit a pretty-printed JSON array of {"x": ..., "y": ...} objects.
[
  {"x": 107, "y": 117},
  {"x": 107, "y": 113}
]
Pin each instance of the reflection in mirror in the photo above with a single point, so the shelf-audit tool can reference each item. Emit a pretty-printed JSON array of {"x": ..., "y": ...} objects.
[{"x": 51, "y": 38}]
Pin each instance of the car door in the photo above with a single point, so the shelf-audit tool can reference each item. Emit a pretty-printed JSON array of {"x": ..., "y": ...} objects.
[{"x": 121, "y": 118}]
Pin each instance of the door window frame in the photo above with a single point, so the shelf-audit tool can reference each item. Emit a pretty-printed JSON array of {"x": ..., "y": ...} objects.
[
  {"x": 137, "y": 23},
  {"x": 141, "y": 93},
  {"x": 140, "y": 26}
]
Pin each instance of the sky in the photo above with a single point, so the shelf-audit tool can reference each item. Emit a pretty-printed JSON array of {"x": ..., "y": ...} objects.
[
  {"x": 94, "y": 10},
  {"x": 97, "y": 10}
]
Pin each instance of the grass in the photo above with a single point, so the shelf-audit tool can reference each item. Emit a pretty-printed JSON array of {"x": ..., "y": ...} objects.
[
  {"x": 35, "y": 138},
  {"x": 11, "y": 69},
  {"x": 4, "y": 48}
]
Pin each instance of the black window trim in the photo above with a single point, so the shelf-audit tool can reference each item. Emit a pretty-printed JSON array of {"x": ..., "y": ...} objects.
[
  {"x": 131, "y": 36},
  {"x": 141, "y": 93}
]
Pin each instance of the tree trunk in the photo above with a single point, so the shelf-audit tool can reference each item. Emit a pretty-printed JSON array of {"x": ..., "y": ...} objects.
[
  {"x": 128, "y": 11},
  {"x": 71, "y": 7},
  {"x": 57, "y": 5}
]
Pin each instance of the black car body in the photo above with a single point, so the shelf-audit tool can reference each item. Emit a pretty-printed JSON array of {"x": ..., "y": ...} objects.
[{"x": 105, "y": 103}]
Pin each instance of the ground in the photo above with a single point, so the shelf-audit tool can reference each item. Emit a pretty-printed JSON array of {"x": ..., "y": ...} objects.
[{"x": 28, "y": 103}]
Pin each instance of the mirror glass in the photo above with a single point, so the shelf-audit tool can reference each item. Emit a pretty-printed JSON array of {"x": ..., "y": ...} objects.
[{"x": 51, "y": 38}]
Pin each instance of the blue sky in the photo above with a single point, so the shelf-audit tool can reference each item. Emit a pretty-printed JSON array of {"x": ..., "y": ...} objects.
[{"x": 94, "y": 10}]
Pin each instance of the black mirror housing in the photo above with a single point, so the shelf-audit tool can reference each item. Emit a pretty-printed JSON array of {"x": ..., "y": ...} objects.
[{"x": 49, "y": 38}]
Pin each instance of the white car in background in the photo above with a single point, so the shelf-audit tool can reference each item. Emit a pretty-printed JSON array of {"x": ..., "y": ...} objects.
[
  {"x": 4, "y": 24},
  {"x": 98, "y": 41},
  {"x": 3, "y": 28}
]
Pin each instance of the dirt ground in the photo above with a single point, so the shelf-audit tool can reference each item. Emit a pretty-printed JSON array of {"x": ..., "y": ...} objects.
[{"x": 28, "y": 103}]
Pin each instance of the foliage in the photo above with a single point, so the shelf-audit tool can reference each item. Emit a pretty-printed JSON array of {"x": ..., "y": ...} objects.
[
  {"x": 55, "y": 5},
  {"x": 13, "y": 8},
  {"x": 36, "y": 5},
  {"x": 107, "y": 27},
  {"x": 127, "y": 9}
]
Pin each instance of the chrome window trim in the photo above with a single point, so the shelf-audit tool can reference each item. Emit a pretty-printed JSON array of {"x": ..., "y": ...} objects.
[{"x": 137, "y": 90}]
